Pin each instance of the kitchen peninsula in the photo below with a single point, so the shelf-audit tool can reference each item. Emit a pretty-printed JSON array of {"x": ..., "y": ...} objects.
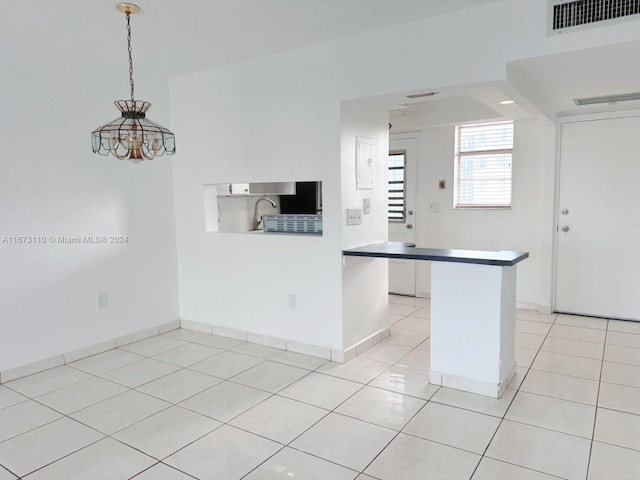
[{"x": 473, "y": 304}]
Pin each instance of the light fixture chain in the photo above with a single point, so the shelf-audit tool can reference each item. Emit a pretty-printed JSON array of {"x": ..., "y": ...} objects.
[{"x": 130, "y": 54}]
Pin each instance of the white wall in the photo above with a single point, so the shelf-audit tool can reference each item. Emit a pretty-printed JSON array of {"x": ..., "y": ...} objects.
[
  {"x": 364, "y": 280},
  {"x": 53, "y": 185},
  {"x": 277, "y": 118},
  {"x": 271, "y": 119},
  {"x": 527, "y": 226},
  {"x": 243, "y": 281}
]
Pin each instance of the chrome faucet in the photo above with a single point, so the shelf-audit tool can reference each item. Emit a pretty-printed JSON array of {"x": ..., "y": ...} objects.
[{"x": 256, "y": 220}]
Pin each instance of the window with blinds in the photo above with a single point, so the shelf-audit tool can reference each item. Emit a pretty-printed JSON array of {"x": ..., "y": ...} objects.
[
  {"x": 396, "y": 187},
  {"x": 483, "y": 158}
]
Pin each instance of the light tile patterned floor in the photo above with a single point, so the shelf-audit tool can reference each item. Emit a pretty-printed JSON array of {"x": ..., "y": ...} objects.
[{"x": 188, "y": 405}]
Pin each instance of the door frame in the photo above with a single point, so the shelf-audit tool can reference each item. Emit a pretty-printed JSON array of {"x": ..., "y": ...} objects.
[
  {"x": 587, "y": 117},
  {"x": 411, "y": 136}
]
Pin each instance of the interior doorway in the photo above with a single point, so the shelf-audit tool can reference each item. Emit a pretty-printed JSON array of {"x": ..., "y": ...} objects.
[{"x": 402, "y": 214}]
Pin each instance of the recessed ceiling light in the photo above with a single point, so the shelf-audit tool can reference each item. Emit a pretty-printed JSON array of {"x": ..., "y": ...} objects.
[{"x": 507, "y": 102}]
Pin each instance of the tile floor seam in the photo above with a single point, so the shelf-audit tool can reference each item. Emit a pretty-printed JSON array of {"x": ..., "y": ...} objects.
[
  {"x": 228, "y": 423},
  {"x": 578, "y": 339},
  {"x": 618, "y": 411},
  {"x": 28, "y": 396},
  {"x": 185, "y": 399},
  {"x": 337, "y": 413},
  {"x": 311, "y": 404},
  {"x": 558, "y": 398},
  {"x": 390, "y": 441},
  {"x": 127, "y": 426},
  {"x": 636, "y": 450},
  {"x": 142, "y": 384},
  {"x": 172, "y": 453},
  {"x": 110, "y": 370},
  {"x": 368, "y": 421},
  {"x": 503, "y": 417},
  {"x": 623, "y": 363},
  {"x": 621, "y": 384},
  {"x": 234, "y": 375},
  {"x": 595, "y": 413},
  {"x": 439, "y": 442},
  {"x": 262, "y": 390},
  {"x": 328, "y": 412},
  {"x": 161, "y": 463},
  {"x": 239, "y": 414},
  {"x": 318, "y": 457},
  {"x": 361, "y": 386},
  {"x": 579, "y": 326},
  {"x": 60, "y": 458},
  {"x": 70, "y": 417},
  {"x": 548, "y": 429},
  {"x": 31, "y": 429},
  {"x": 86, "y": 406},
  {"x": 11, "y": 472},
  {"x": 521, "y": 466},
  {"x": 262, "y": 463}
]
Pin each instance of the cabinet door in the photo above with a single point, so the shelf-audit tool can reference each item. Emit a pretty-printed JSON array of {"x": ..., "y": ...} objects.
[{"x": 239, "y": 189}]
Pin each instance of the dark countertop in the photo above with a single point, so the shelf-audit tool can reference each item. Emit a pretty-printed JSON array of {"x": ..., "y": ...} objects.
[{"x": 408, "y": 251}]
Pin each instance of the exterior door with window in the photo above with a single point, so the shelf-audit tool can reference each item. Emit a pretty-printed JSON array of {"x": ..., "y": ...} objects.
[{"x": 402, "y": 177}]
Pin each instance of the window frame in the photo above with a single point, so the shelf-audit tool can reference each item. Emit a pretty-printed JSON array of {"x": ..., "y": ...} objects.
[
  {"x": 459, "y": 155},
  {"x": 404, "y": 189}
]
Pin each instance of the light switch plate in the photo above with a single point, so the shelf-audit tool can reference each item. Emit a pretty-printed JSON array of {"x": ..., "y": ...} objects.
[
  {"x": 434, "y": 207},
  {"x": 366, "y": 206},
  {"x": 354, "y": 216},
  {"x": 102, "y": 300}
]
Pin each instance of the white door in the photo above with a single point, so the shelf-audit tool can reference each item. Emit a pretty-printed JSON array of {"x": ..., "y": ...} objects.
[
  {"x": 402, "y": 180},
  {"x": 598, "y": 264}
]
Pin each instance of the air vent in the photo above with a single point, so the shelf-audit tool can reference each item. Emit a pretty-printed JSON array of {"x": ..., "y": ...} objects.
[
  {"x": 582, "y": 14},
  {"x": 426, "y": 94},
  {"x": 610, "y": 99}
]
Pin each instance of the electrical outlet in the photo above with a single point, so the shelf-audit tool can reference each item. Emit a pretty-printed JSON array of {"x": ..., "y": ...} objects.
[
  {"x": 442, "y": 184},
  {"x": 102, "y": 300},
  {"x": 434, "y": 207},
  {"x": 354, "y": 216}
]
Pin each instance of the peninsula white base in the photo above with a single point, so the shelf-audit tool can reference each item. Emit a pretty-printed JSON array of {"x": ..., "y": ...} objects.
[{"x": 473, "y": 326}]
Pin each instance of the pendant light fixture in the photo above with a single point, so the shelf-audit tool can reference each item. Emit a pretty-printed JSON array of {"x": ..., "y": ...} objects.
[{"x": 132, "y": 136}]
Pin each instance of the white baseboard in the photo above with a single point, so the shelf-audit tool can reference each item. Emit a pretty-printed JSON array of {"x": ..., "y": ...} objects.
[
  {"x": 494, "y": 390},
  {"x": 546, "y": 309},
  {"x": 69, "y": 357},
  {"x": 340, "y": 356},
  {"x": 267, "y": 340}
]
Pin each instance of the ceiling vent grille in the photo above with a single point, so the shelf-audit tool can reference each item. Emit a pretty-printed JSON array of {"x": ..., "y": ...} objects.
[
  {"x": 610, "y": 99},
  {"x": 581, "y": 14}
]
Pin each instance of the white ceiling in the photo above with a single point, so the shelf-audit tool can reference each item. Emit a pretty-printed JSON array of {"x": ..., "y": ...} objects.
[
  {"x": 454, "y": 105},
  {"x": 175, "y": 37},
  {"x": 553, "y": 81},
  {"x": 81, "y": 44},
  {"x": 545, "y": 85}
]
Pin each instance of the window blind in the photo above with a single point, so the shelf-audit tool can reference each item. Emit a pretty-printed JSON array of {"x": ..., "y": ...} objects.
[{"x": 483, "y": 163}]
